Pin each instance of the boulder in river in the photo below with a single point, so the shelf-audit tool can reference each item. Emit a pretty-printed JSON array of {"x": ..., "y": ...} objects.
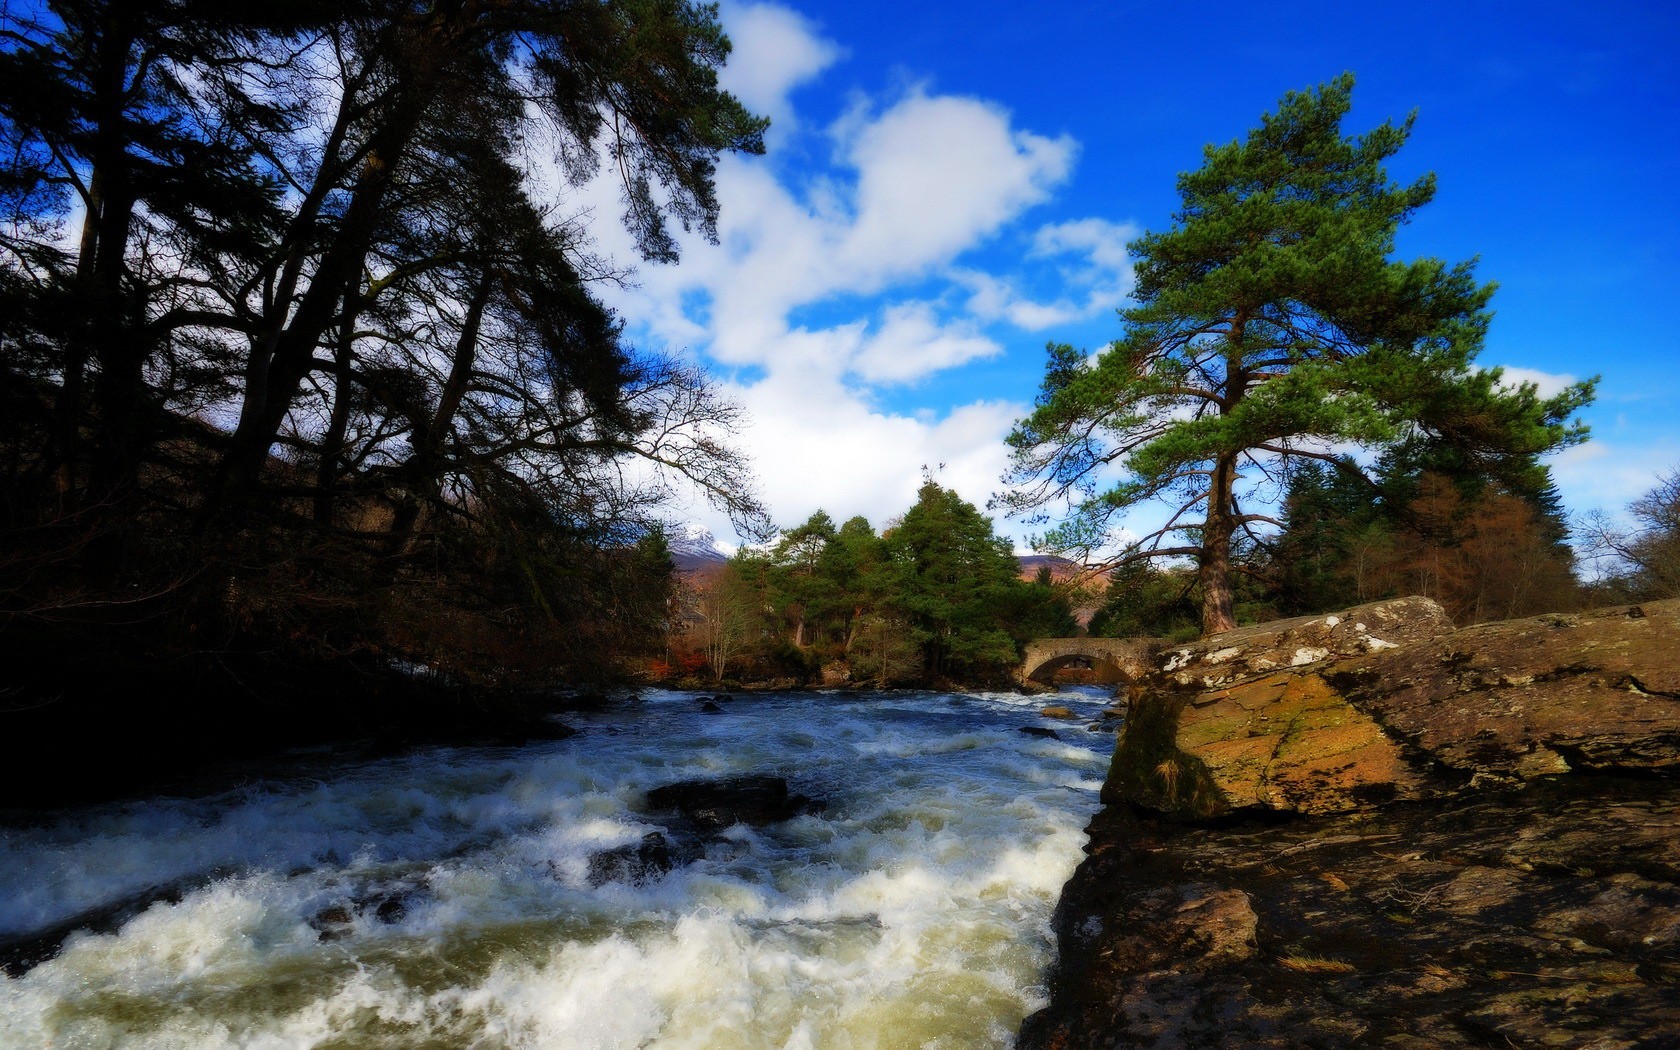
[
  {"x": 712, "y": 805},
  {"x": 1041, "y": 731},
  {"x": 641, "y": 862}
]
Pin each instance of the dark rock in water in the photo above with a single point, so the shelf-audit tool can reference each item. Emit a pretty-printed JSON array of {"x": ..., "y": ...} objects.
[
  {"x": 20, "y": 953},
  {"x": 1109, "y": 720},
  {"x": 1048, "y": 734},
  {"x": 710, "y": 708},
  {"x": 712, "y": 805},
  {"x": 334, "y": 922},
  {"x": 391, "y": 909},
  {"x": 641, "y": 862},
  {"x": 388, "y": 905}
]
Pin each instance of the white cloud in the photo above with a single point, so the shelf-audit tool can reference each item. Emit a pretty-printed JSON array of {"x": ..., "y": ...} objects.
[
  {"x": 775, "y": 51},
  {"x": 911, "y": 343},
  {"x": 1548, "y": 383},
  {"x": 1608, "y": 475},
  {"x": 1102, "y": 242},
  {"x": 817, "y": 444},
  {"x": 1090, "y": 260},
  {"x": 794, "y": 297},
  {"x": 938, "y": 173}
]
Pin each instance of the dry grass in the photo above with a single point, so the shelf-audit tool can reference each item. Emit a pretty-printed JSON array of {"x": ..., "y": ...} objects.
[{"x": 1314, "y": 964}]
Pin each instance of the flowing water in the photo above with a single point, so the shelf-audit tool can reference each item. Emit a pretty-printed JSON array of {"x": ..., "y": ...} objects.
[{"x": 443, "y": 899}]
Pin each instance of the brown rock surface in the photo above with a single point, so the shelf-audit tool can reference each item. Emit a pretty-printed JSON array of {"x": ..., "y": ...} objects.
[
  {"x": 1596, "y": 692},
  {"x": 1500, "y": 702},
  {"x": 1291, "y": 742},
  {"x": 1260, "y": 649},
  {"x": 1399, "y": 823},
  {"x": 1542, "y": 916}
]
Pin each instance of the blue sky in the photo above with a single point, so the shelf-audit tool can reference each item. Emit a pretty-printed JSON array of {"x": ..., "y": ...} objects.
[{"x": 950, "y": 186}]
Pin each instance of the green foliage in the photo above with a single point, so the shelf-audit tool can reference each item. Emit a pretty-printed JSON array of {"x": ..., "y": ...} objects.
[
  {"x": 1461, "y": 537},
  {"x": 938, "y": 597},
  {"x": 1331, "y": 522},
  {"x": 948, "y": 573},
  {"x": 1269, "y": 324},
  {"x": 1142, "y": 601}
]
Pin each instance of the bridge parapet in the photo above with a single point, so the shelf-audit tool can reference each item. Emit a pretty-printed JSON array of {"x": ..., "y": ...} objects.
[{"x": 1115, "y": 659}]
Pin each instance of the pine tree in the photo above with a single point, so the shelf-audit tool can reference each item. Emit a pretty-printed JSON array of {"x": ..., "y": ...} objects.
[
  {"x": 1271, "y": 324},
  {"x": 949, "y": 573}
]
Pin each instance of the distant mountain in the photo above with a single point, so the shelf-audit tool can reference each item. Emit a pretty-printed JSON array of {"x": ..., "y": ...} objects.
[
  {"x": 1060, "y": 568},
  {"x": 695, "y": 548}
]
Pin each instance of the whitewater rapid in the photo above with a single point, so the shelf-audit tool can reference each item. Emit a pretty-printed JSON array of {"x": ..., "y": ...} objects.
[{"x": 442, "y": 899}]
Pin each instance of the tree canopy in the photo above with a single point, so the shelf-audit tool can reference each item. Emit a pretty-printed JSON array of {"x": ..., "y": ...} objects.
[
  {"x": 303, "y": 291},
  {"x": 1271, "y": 326},
  {"x": 936, "y": 596}
]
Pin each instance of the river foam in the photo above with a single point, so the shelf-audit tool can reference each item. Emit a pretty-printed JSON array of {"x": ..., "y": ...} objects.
[{"x": 443, "y": 899}]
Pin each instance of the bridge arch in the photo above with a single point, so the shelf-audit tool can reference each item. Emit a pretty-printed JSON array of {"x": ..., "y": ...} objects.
[{"x": 1113, "y": 659}]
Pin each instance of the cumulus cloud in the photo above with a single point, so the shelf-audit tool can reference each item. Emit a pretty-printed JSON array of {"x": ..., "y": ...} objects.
[
  {"x": 911, "y": 343},
  {"x": 819, "y": 445},
  {"x": 1549, "y": 384},
  {"x": 937, "y": 173},
  {"x": 776, "y": 51},
  {"x": 1089, "y": 260},
  {"x": 835, "y": 284},
  {"x": 1610, "y": 474}
]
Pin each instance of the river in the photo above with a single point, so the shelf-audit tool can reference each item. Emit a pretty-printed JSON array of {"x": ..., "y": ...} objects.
[{"x": 443, "y": 898}]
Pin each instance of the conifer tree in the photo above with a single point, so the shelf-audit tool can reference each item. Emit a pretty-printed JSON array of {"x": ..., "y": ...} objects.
[{"x": 1270, "y": 324}]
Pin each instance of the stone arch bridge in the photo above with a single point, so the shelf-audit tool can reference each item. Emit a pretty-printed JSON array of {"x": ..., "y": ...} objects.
[{"x": 1113, "y": 659}]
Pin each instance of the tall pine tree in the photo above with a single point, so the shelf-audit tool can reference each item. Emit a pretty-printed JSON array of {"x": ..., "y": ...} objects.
[{"x": 1271, "y": 323}]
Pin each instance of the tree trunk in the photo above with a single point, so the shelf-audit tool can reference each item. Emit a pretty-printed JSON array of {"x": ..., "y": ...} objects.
[
  {"x": 332, "y": 443},
  {"x": 284, "y": 354},
  {"x": 423, "y": 470},
  {"x": 1215, "y": 571}
]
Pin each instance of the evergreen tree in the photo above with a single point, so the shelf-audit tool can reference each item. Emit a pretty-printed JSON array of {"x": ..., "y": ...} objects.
[
  {"x": 1327, "y": 514},
  {"x": 1270, "y": 323},
  {"x": 949, "y": 574},
  {"x": 804, "y": 590}
]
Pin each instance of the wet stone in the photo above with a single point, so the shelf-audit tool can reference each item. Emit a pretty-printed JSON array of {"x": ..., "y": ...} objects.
[
  {"x": 712, "y": 805},
  {"x": 640, "y": 862}
]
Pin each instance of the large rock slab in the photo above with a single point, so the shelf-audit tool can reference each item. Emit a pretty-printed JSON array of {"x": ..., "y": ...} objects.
[
  {"x": 1428, "y": 715},
  {"x": 1590, "y": 692},
  {"x": 712, "y": 805},
  {"x": 1505, "y": 903},
  {"x": 1290, "y": 742},
  {"x": 1248, "y": 652},
  {"x": 1546, "y": 915}
]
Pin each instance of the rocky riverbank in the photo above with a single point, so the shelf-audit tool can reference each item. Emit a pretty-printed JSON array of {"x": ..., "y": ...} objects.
[{"x": 1373, "y": 829}]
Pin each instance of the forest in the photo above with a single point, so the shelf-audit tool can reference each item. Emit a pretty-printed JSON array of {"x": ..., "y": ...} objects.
[
  {"x": 936, "y": 597},
  {"x": 305, "y": 386}
]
